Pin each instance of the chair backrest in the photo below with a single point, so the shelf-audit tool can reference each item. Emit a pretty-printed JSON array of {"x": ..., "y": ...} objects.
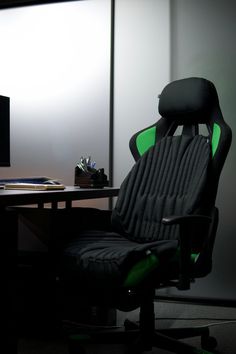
[
  {"x": 189, "y": 103},
  {"x": 174, "y": 174}
]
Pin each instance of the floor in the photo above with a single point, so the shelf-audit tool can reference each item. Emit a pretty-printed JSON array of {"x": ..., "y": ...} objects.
[{"x": 170, "y": 314}]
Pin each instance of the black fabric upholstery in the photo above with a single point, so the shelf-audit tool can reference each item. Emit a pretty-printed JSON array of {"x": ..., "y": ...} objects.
[
  {"x": 163, "y": 226},
  {"x": 103, "y": 262},
  {"x": 168, "y": 179},
  {"x": 199, "y": 97},
  {"x": 177, "y": 175},
  {"x": 190, "y": 101}
]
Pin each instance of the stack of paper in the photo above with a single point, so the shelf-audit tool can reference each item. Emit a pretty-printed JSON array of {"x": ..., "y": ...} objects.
[{"x": 40, "y": 183}]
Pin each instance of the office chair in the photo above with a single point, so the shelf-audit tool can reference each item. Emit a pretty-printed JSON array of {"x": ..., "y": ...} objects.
[{"x": 162, "y": 229}]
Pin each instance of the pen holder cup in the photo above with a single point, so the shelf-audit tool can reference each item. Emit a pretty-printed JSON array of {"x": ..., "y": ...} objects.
[{"x": 91, "y": 178}]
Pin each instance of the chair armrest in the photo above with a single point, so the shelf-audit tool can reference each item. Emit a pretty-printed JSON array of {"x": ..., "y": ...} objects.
[
  {"x": 185, "y": 223},
  {"x": 185, "y": 219}
]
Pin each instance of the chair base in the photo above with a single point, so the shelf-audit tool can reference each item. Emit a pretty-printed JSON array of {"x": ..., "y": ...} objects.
[
  {"x": 142, "y": 337},
  {"x": 138, "y": 340},
  {"x": 169, "y": 339}
]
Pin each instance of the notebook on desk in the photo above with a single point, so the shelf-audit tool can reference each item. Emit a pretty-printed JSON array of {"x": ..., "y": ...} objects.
[
  {"x": 31, "y": 183},
  {"x": 34, "y": 186}
]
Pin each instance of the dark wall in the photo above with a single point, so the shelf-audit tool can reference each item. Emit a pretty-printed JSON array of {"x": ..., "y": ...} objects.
[{"x": 203, "y": 44}]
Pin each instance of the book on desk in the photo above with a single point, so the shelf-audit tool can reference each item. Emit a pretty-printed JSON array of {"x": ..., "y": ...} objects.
[{"x": 40, "y": 183}]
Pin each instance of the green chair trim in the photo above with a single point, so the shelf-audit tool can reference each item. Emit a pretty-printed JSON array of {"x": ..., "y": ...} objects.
[
  {"x": 200, "y": 351},
  {"x": 175, "y": 258},
  {"x": 145, "y": 140},
  {"x": 140, "y": 270},
  {"x": 215, "y": 138},
  {"x": 144, "y": 267}
]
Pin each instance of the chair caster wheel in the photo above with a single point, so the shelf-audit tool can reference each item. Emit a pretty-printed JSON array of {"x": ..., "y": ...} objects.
[{"x": 208, "y": 343}]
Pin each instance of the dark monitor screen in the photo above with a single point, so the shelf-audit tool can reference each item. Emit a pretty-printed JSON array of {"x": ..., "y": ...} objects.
[{"x": 4, "y": 131}]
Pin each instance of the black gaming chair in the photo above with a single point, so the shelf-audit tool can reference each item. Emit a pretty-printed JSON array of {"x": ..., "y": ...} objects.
[{"x": 162, "y": 229}]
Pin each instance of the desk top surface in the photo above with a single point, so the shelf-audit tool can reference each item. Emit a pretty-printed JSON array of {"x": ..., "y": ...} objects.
[{"x": 70, "y": 193}]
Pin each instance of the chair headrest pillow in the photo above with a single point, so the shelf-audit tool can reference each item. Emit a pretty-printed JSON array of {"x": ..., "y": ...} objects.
[{"x": 190, "y": 100}]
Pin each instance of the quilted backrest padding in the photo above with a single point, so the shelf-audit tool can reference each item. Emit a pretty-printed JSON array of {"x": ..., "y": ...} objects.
[{"x": 168, "y": 179}]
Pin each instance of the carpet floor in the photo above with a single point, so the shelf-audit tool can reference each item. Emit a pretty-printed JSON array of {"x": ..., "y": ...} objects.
[{"x": 222, "y": 321}]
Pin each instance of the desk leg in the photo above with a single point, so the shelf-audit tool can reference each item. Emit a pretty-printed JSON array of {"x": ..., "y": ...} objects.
[{"x": 9, "y": 223}]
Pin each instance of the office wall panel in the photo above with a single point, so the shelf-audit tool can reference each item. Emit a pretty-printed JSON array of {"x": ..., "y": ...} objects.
[
  {"x": 203, "y": 44},
  {"x": 55, "y": 67}
]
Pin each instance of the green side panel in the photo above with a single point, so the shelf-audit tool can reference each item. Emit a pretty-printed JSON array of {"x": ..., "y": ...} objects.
[
  {"x": 145, "y": 140},
  {"x": 194, "y": 257},
  {"x": 140, "y": 270},
  {"x": 175, "y": 258},
  {"x": 200, "y": 351},
  {"x": 215, "y": 138}
]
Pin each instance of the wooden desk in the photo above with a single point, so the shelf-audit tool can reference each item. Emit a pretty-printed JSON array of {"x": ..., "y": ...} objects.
[
  {"x": 9, "y": 230},
  {"x": 24, "y": 197}
]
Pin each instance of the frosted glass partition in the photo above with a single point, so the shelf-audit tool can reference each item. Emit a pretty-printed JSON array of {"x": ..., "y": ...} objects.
[{"x": 55, "y": 67}]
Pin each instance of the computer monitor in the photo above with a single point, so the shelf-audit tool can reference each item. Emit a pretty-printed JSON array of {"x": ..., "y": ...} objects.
[{"x": 4, "y": 131}]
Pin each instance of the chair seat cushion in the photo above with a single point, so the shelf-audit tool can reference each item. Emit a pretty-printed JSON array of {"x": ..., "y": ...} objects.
[{"x": 103, "y": 259}]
